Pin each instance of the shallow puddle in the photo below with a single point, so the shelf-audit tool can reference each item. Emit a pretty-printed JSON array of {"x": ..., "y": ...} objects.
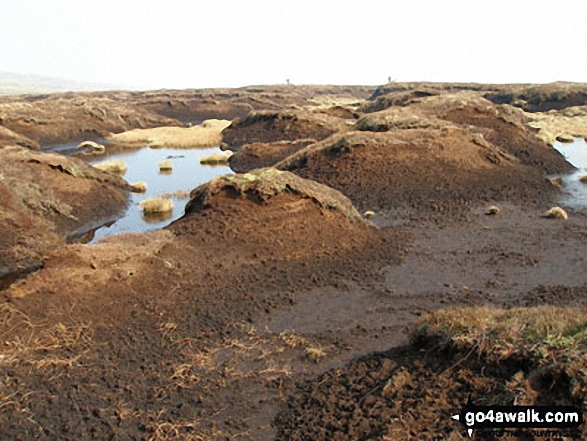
[
  {"x": 187, "y": 173},
  {"x": 575, "y": 191}
]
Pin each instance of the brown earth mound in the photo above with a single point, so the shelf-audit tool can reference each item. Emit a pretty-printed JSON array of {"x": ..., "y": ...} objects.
[
  {"x": 46, "y": 198},
  {"x": 151, "y": 335},
  {"x": 8, "y": 137},
  {"x": 60, "y": 118},
  {"x": 198, "y": 105},
  {"x": 290, "y": 125},
  {"x": 427, "y": 170},
  {"x": 265, "y": 184},
  {"x": 66, "y": 117},
  {"x": 339, "y": 112},
  {"x": 503, "y": 126},
  {"x": 399, "y": 98},
  {"x": 541, "y": 97},
  {"x": 259, "y": 154}
]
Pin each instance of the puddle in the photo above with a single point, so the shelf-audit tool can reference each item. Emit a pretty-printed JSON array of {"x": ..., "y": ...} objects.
[
  {"x": 187, "y": 174},
  {"x": 575, "y": 191}
]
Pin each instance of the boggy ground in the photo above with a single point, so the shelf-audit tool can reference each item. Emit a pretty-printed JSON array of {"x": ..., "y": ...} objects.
[
  {"x": 272, "y": 310},
  {"x": 67, "y": 117},
  {"x": 155, "y": 330},
  {"x": 46, "y": 200}
]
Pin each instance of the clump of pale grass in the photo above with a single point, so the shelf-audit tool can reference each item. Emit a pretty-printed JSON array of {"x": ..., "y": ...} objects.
[
  {"x": 117, "y": 167},
  {"x": 216, "y": 158},
  {"x": 94, "y": 146},
  {"x": 156, "y": 205},
  {"x": 208, "y": 134},
  {"x": 165, "y": 165},
  {"x": 139, "y": 187},
  {"x": 556, "y": 213}
]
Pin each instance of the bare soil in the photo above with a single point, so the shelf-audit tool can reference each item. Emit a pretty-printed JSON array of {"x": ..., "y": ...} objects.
[{"x": 271, "y": 310}]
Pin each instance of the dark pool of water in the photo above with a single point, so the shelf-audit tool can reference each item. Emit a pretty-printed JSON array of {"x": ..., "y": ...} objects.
[
  {"x": 142, "y": 164},
  {"x": 575, "y": 191}
]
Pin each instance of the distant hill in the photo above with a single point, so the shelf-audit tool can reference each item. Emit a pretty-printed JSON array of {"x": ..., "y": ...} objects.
[{"x": 16, "y": 84}]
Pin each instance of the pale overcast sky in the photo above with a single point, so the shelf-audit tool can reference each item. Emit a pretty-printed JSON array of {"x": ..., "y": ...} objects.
[{"x": 180, "y": 44}]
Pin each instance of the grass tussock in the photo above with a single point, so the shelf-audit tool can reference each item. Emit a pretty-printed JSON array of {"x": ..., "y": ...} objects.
[
  {"x": 216, "y": 158},
  {"x": 548, "y": 341},
  {"x": 165, "y": 165},
  {"x": 556, "y": 213},
  {"x": 156, "y": 205},
  {"x": 116, "y": 167},
  {"x": 139, "y": 187}
]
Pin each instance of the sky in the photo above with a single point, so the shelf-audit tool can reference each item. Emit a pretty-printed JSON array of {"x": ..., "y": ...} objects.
[{"x": 231, "y": 43}]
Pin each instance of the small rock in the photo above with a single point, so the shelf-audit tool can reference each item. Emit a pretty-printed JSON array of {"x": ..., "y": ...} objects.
[
  {"x": 583, "y": 179},
  {"x": 368, "y": 214},
  {"x": 556, "y": 213}
]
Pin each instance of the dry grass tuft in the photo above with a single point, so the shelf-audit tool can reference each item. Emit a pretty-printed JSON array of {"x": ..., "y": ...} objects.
[
  {"x": 556, "y": 213},
  {"x": 117, "y": 167},
  {"x": 93, "y": 146},
  {"x": 165, "y": 165},
  {"x": 216, "y": 158},
  {"x": 42, "y": 347},
  {"x": 139, "y": 187},
  {"x": 492, "y": 211},
  {"x": 156, "y": 205},
  {"x": 315, "y": 353}
]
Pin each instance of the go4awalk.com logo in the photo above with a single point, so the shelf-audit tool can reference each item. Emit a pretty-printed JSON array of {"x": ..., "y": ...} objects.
[{"x": 518, "y": 417}]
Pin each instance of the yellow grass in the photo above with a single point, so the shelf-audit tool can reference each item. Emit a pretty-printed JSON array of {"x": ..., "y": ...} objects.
[
  {"x": 208, "y": 134},
  {"x": 556, "y": 213},
  {"x": 165, "y": 165},
  {"x": 139, "y": 187},
  {"x": 156, "y": 205},
  {"x": 118, "y": 167},
  {"x": 562, "y": 125},
  {"x": 99, "y": 148},
  {"x": 216, "y": 158}
]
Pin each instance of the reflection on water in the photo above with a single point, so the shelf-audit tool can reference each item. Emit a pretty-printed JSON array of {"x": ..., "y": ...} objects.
[
  {"x": 157, "y": 218},
  {"x": 187, "y": 174},
  {"x": 575, "y": 191}
]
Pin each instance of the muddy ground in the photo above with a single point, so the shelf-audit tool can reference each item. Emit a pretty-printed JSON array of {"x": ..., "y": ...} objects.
[{"x": 274, "y": 310}]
